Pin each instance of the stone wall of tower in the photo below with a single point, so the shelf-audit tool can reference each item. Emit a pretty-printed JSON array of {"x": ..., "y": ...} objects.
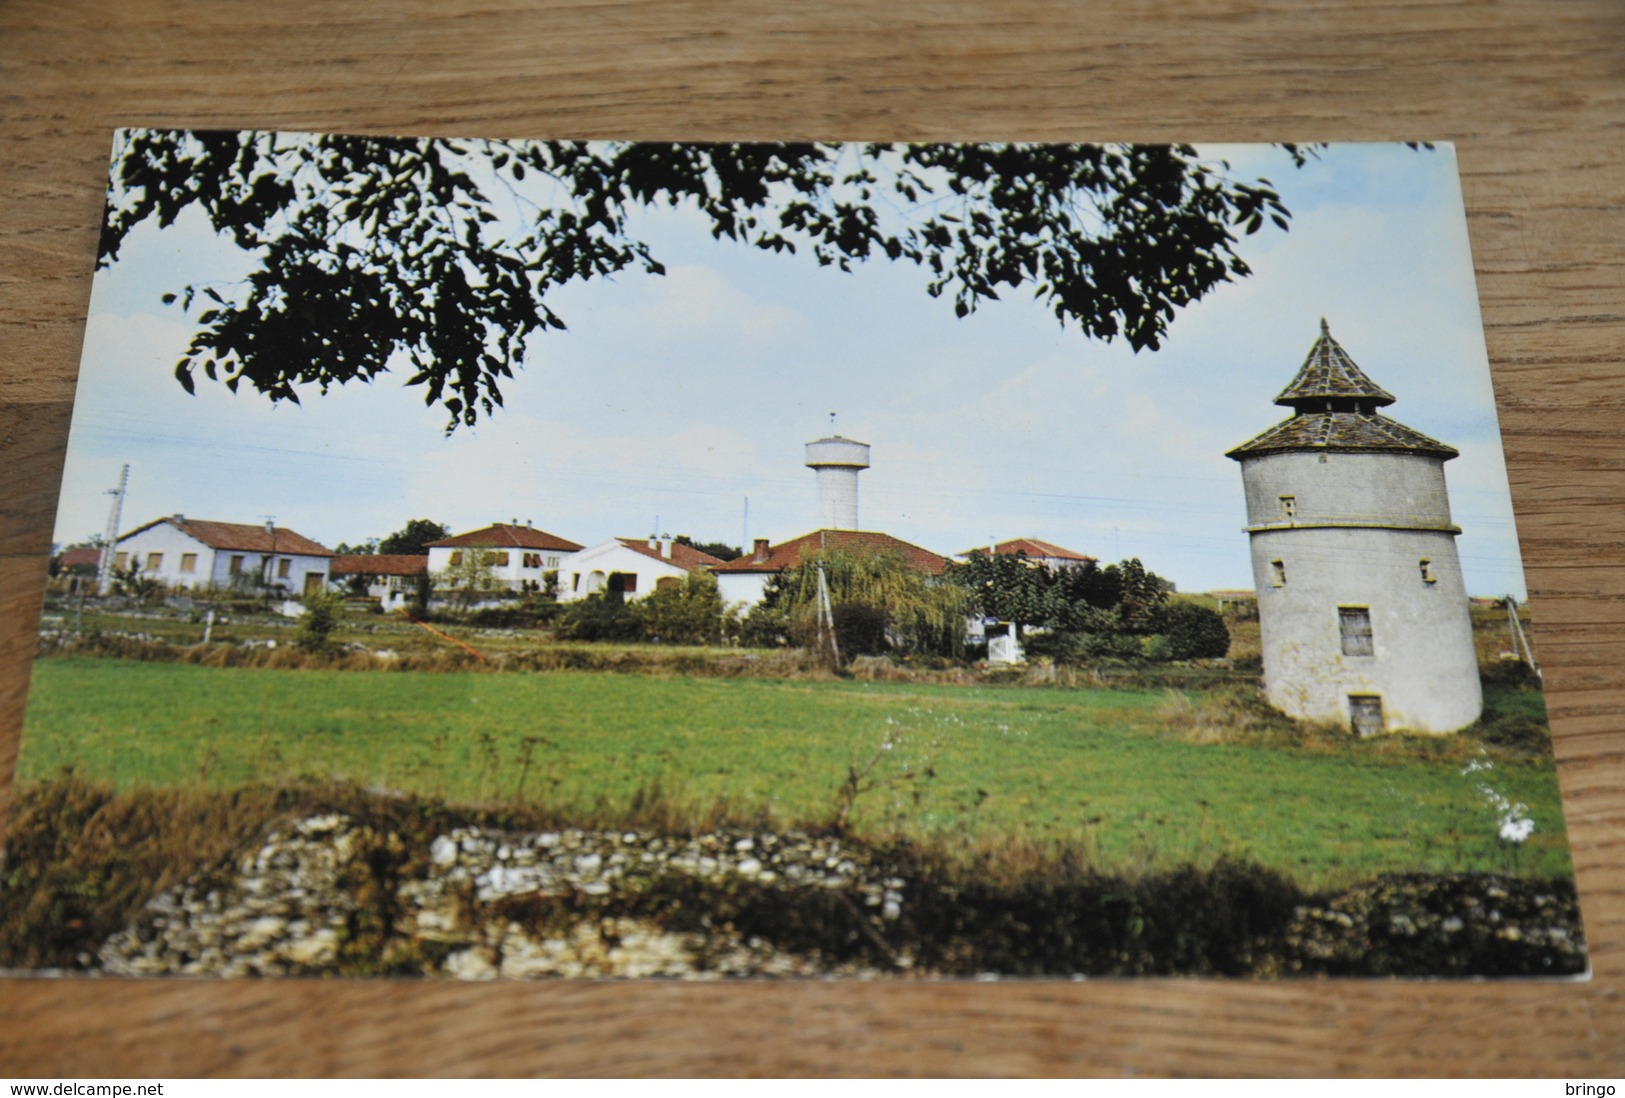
[
  {"x": 1369, "y": 531},
  {"x": 1381, "y": 488}
]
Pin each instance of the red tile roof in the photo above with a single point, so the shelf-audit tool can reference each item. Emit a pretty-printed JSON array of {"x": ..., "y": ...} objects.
[
  {"x": 240, "y": 535},
  {"x": 372, "y": 564},
  {"x": 685, "y": 557},
  {"x": 79, "y": 558},
  {"x": 790, "y": 553},
  {"x": 503, "y": 535},
  {"x": 1034, "y": 549}
]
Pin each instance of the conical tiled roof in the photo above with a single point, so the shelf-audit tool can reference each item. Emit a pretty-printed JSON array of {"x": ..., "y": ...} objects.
[
  {"x": 1336, "y": 409},
  {"x": 1330, "y": 375},
  {"x": 1343, "y": 431}
]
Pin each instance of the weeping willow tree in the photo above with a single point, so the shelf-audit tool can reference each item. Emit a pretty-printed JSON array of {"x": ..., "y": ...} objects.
[{"x": 876, "y": 603}]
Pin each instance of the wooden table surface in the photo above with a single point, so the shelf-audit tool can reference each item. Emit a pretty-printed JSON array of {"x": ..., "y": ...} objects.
[{"x": 1532, "y": 92}]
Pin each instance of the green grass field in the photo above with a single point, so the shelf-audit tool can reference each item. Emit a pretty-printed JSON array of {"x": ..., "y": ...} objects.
[{"x": 1104, "y": 770}]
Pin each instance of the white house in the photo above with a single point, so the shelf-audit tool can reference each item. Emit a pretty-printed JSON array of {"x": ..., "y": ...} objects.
[
  {"x": 744, "y": 580},
  {"x": 519, "y": 556},
  {"x": 193, "y": 553},
  {"x": 391, "y": 578},
  {"x": 628, "y": 567},
  {"x": 1038, "y": 552}
]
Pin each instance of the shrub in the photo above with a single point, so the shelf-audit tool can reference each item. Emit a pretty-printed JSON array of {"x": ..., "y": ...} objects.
[
  {"x": 1158, "y": 648},
  {"x": 596, "y": 618},
  {"x": 689, "y": 611},
  {"x": 1192, "y": 632},
  {"x": 320, "y": 618}
]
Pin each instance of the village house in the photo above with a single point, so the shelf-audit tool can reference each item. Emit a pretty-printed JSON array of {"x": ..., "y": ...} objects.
[
  {"x": 391, "y": 578},
  {"x": 201, "y": 553},
  {"x": 1036, "y": 551},
  {"x": 744, "y": 580},
  {"x": 628, "y": 568},
  {"x": 519, "y": 557}
]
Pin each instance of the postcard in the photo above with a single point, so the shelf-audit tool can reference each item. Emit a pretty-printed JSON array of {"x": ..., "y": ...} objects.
[{"x": 492, "y": 559}]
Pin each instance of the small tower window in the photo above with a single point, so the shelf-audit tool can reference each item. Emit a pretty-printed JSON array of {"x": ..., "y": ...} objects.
[
  {"x": 1427, "y": 571},
  {"x": 1289, "y": 507},
  {"x": 1278, "y": 573},
  {"x": 1354, "y": 626}
]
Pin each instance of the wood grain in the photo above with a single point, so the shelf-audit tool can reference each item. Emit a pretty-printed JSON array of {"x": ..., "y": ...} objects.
[{"x": 1530, "y": 90}]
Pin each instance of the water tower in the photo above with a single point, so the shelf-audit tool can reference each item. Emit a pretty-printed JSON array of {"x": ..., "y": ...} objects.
[
  {"x": 1361, "y": 603},
  {"x": 837, "y": 461}
]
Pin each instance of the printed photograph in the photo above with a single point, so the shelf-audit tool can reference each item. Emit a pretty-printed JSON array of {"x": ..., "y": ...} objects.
[{"x": 507, "y": 559}]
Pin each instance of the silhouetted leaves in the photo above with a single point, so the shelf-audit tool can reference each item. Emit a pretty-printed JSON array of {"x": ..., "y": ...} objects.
[{"x": 373, "y": 253}]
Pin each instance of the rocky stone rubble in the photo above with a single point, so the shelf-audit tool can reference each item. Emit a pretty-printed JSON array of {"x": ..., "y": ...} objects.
[{"x": 289, "y": 906}]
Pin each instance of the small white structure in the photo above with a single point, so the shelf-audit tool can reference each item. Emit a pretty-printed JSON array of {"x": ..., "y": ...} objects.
[
  {"x": 837, "y": 461},
  {"x": 744, "y": 580},
  {"x": 1362, "y": 607},
  {"x": 201, "y": 553},
  {"x": 519, "y": 556},
  {"x": 628, "y": 568},
  {"x": 392, "y": 578}
]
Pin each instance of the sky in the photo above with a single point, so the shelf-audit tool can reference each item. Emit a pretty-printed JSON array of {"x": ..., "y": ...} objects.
[{"x": 681, "y": 404}]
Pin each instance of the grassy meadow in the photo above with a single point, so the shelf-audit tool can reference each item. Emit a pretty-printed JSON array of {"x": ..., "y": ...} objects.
[{"x": 1137, "y": 779}]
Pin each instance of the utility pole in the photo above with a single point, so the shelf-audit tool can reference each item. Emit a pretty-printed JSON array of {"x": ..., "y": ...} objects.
[{"x": 104, "y": 564}]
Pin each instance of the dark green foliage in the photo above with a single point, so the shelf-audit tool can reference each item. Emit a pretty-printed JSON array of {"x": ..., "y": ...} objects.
[
  {"x": 596, "y": 618},
  {"x": 414, "y": 539},
  {"x": 719, "y": 549},
  {"x": 1514, "y": 718},
  {"x": 1084, "y": 612},
  {"x": 689, "y": 611},
  {"x": 534, "y": 612},
  {"x": 1193, "y": 632},
  {"x": 321, "y": 617},
  {"x": 885, "y": 605},
  {"x": 131, "y": 583},
  {"x": 367, "y": 247},
  {"x": 860, "y": 629}
]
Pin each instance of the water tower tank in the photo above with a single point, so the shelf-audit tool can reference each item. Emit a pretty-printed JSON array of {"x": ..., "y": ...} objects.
[{"x": 837, "y": 461}]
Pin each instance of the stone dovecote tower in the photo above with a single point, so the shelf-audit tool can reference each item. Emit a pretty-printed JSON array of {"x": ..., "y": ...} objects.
[
  {"x": 1361, "y": 603},
  {"x": 837, "y": 461}
]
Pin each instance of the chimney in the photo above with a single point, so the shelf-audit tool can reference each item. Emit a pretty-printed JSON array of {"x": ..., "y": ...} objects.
[
  {"x": 759, "y": 554},
  {"x": 665, "y": 546},
  {"x": 837, "y": 461}
]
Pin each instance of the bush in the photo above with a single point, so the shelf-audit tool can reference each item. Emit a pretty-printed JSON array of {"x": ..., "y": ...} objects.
[
  {"x": 1158, "y": 648},
  {"x": 533, "y": 613},
  {"x": 596, "y": 618},
  {"x": 688, "y": 611},
  {"x": 1192, "y": 632},
  {"x": 320, "y": 618}
]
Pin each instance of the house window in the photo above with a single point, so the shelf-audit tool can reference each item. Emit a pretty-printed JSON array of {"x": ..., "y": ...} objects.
[
  {"x": 629, "y": 583},
  {"x": 237, "y": 564},
  {"x": 1354, "y": 624},
  {"x": 188, "y": 562},
  {"x": 456, "y": 557},
  {"x": 497, "y": 560},
  {"x": 121, "y": 561},
  {"x": 532, "y": 560},
  {"x": 1277, "y": 573},
  {"x": 1365, "y": 714},
  {"x": 283, "y": 568},
  {"x": 154, "y": 561},
  {"x": 1289, "y": 507},
  {"x": 552, "y": 562},
  {"x": 1427, "y": 571}
]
